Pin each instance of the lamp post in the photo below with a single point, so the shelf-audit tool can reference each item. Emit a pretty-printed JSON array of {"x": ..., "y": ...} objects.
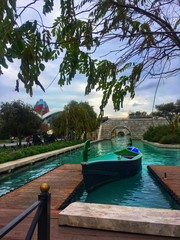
[
  {"x": 101, "y": 111},
  {"x": 101, "y": 114}
]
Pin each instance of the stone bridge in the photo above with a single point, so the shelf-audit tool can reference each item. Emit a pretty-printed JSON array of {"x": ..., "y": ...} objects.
[{"x": 136, "y": 127}]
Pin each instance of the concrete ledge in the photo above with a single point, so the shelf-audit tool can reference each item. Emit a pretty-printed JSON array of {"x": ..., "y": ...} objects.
[
  {"x": 151, "y": 221},
  {"x": 159, "y": 145},
  {"x": 9, "y": 166}
]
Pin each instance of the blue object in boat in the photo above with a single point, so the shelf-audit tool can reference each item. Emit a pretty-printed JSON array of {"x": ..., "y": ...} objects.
[{"x": 133, "y": 149}]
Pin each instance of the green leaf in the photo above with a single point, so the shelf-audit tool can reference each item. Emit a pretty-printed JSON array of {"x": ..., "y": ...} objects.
[
  {"x": 48, "y": 6},
  {"x": 3, "y": 62},
  {"x": 9, "y": 59},
  {"x": 39, "y": 84},
  {"x": 13, "y": 4},
  {"x": 42, "y": 66},
  {"x": 20, "y": 44}
]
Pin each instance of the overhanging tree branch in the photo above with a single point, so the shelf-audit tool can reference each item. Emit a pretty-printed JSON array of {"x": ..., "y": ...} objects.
[{"x": 146, "y": 36}]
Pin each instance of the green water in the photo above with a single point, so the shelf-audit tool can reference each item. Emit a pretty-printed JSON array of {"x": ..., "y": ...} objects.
[{"x": 141, "y": 190}]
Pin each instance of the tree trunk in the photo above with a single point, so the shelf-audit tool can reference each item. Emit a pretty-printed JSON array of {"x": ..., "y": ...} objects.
[{"x": 19, "y": 141}]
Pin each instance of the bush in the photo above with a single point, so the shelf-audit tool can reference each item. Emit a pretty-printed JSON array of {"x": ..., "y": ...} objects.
[
  {"x": 170, "y": 139},
  {"x": 10, "y": 154},
  {"x": 163, "y": 134},
  {"x": 148, "y": 135}
]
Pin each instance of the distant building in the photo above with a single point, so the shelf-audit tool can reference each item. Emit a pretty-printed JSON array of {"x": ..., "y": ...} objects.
[{"x": 50, "y": 115}]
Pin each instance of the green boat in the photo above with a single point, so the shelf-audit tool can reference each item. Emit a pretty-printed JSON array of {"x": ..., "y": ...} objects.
[{"x": 110, "y": 167}]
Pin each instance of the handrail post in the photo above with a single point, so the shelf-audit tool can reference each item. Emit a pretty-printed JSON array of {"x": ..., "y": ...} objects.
[{"x": 44, "y": 220}]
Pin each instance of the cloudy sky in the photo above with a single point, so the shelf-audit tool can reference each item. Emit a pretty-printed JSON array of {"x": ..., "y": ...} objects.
[{"x": 57, "y": 97}]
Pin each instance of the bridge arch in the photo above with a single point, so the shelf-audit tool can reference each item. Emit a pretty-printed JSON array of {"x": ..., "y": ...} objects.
[
  {"x": 137, "y": 127},
  {"x": 120, "y": 131}
]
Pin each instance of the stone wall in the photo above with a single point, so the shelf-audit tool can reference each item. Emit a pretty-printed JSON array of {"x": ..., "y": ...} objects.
[{"x": 136, "y": 126}]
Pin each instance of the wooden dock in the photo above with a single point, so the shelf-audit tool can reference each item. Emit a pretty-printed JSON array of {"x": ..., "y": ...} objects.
[
  {"x": 63, "y": 181},
  {"x": 169, "y": 178}
]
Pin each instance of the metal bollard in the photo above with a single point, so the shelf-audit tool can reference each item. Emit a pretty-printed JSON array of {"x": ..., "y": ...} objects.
[{"x": 44, "y": 220}]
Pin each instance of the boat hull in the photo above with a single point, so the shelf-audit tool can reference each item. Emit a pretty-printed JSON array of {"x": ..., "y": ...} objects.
[{"x": 98, "y": 173}]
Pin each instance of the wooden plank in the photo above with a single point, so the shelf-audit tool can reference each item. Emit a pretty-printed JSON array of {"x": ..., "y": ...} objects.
[
  {"x": 20, "y": 231},
  {"x": 169, "y": 178},
  {"x": 70, "y": 233},
  {"x": 62, "y": 181}
]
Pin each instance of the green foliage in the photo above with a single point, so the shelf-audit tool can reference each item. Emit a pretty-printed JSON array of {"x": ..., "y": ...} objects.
[
  {"x": 139, "y": 114},
  {"x": 18, "y": 119},
  {"x": 163, "y": 134},
  {"x": 145, "y": 33},
  {"x": 168, "y": 111},
  {"x": 75, "y": 120},
  {"x": 10, "y": 154},
  {"x": 173, "y": 138}
]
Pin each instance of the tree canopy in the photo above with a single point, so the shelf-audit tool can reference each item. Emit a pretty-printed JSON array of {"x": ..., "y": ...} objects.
[
  {"x": 18, "y": 119},
  {"x": 143, "y": 35},
  {"x": 75, "y": 121},
  {"x": 139, "y": 114},
  {"x": 169, "y": 111}
]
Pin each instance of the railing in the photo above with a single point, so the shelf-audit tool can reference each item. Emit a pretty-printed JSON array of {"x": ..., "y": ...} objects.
[{"x": 41, "y": 217}]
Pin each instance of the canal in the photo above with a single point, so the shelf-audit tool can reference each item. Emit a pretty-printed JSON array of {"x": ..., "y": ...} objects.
[{"x": 141, "y": 190}]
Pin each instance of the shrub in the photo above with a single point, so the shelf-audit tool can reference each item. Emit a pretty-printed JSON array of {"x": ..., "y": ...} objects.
[
  {"x": 148, "y": 135},
  {"x": 170, "y": 139},
  {"x": 10, "y": 154},
  {"x": 162, "y": 134}
]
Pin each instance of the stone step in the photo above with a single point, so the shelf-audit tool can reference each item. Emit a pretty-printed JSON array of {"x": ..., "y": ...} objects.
[{"x": 151, "y": 221}]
